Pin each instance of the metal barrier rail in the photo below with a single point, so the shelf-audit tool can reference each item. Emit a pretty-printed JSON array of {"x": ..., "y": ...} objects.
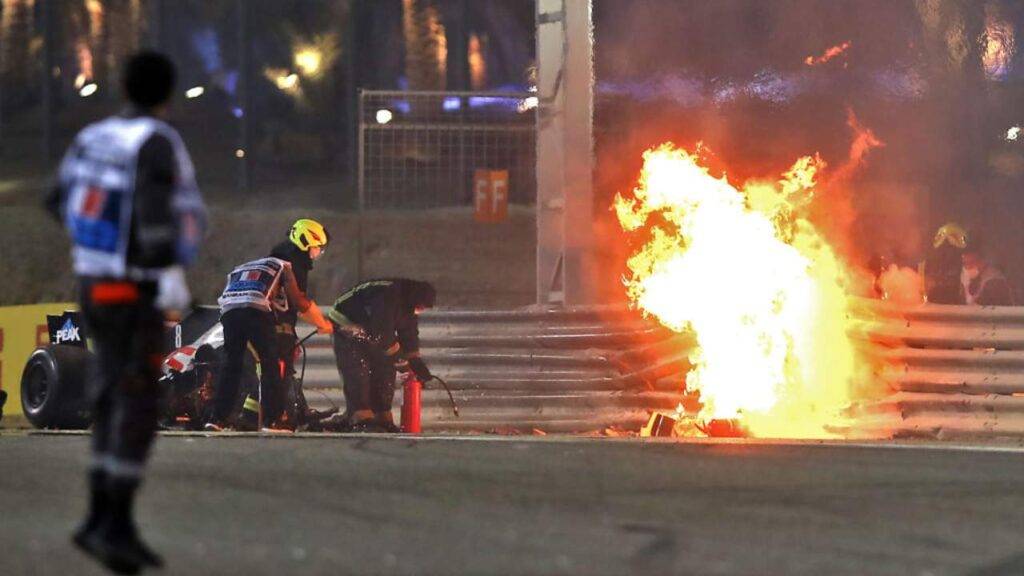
[
  {"x": 954, "y": 371},
  {"x": 553, "y": 370}
]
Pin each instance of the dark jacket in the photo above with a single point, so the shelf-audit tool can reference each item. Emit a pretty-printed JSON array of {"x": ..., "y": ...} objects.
[
  {"x": 301, "y": 266},
  {"x": 942, "y": 275},
  {"x": 385, "y": 309}
]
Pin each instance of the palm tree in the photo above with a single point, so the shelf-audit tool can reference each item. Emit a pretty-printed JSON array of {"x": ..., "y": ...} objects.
[{"x": 425, "y": 47}]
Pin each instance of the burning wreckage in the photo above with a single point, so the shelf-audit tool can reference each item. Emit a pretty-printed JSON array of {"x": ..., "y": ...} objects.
[{"x": 765, "y": 295}]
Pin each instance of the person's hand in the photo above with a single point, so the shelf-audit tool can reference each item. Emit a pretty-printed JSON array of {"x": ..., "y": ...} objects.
[
  {"x": 172, "y": 294},
  {"x": 325, "y": 328},
  {"x": 402, "y": 366},
  {"x": 419, "y": 367}
]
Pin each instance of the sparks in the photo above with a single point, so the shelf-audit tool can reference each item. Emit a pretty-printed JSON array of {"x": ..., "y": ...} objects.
[{"x": 828, "y": 55}]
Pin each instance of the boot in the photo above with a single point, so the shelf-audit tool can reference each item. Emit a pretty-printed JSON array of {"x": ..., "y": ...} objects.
[
  {"x": 248, "y": 421},
  {"x": 386, "y": 422},
  {"x": 364, "y": 421},
  {"x": 95, "y": 536},
  {"x": 116, "y": 542},
  {"x": 97, "y": 506}
]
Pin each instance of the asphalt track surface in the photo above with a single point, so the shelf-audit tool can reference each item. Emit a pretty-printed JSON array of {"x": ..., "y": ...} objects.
[{"x": 392, "y": 505}]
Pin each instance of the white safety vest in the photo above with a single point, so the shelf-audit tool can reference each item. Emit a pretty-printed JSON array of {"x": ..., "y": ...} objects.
[
  {"x": 253, "y": 285},
  {"x": 97, "y": 177}
]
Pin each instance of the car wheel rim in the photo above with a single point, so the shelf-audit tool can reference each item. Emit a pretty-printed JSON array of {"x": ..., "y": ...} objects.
[{"x": 38, "y": 388}]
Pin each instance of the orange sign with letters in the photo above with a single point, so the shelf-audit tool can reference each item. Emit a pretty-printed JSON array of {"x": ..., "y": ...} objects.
[{"x": 490, "y": 195}]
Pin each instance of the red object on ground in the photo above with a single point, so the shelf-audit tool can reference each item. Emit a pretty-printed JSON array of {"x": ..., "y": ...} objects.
[
  {"x": 725, "y": 428},
  {"x": 411, "y": 405}
]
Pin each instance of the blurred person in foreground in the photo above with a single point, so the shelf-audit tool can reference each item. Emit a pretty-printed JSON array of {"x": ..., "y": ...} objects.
[
  {"x": 982, "y": 283},
  {"x": 376, "y": 335},
  {"x": 127, "y": 195}
]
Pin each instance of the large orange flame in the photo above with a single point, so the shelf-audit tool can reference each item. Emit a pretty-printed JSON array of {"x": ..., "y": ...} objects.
[{"x": 755, "y": 282}]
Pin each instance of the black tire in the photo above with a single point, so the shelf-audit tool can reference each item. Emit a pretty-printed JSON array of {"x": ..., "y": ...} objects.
[{"x": 53, "y": 389}]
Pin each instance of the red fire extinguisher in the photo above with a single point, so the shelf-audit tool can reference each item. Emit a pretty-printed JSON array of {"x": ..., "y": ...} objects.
[{"x": 411, "y": 405}]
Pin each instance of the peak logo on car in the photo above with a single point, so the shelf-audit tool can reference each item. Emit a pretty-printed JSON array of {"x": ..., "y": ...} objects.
[
  {"x": 66, "y": 329},
  {"x": 68, "y": 333}
]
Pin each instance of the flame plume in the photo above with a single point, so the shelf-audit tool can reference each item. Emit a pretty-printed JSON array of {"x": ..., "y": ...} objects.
[{"x": 749, "y": 275}]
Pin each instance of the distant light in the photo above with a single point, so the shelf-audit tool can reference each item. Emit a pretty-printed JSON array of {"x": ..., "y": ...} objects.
[
  {"x": 528, "y": 104},
  {"x": 451, "y": 103},
  {"x": 56, "y": 71},
  {"x": 80, "y": 81},
  {"x": 237, "y": 112},
  {"x": 239, "y": 153},
  {"x": 1013, "y": 133},
  {"x": 384, "y": 116},
  {"x": 194, "y": 92},
  {"x": 287, "y": 82},
  {"x": 308, "y": 60},
  {"x": 88, "y": 90}
]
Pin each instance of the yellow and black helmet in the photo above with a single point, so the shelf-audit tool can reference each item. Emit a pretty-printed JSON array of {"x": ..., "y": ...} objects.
[
  {"x": 306, "y": 233},
  {"x": 950, "y": 233}
]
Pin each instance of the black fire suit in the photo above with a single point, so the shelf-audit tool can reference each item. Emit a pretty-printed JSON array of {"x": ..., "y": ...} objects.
[
  {"x": 385, "y": 311},
  {"x": 942, "y": 275}
]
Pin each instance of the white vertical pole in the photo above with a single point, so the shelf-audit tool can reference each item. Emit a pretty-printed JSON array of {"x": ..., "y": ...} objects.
[{"x": 565, "y": 239}]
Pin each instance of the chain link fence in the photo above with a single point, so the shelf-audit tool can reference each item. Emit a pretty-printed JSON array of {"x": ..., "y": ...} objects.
[{"x": 423, "y": 149}]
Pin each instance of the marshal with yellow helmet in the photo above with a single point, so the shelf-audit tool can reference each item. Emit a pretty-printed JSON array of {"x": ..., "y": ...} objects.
[
  {"x": 308, "y": 234},
  {"x": 283, "y": 403},
  {"x": 941, "y": 269}
]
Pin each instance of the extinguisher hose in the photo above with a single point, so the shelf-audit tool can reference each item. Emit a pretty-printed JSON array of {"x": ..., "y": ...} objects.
[{"x": 455, "y": 407}]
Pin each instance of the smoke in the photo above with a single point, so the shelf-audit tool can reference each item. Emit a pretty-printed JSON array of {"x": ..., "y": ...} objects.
[
  {"x": 837, "y": 210},
  {"x": 901, "y": 285},
  {"x": 912, "y": 117}
]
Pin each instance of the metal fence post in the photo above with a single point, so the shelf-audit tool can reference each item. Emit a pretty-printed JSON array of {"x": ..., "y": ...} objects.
[
  {"x": 156, "y": 18},
  {"x": 3, "y": 67},
  {"x": 244, "y": 88},
  {"x": 48, "y": 36},
  {"x": 361, "y": 184}
]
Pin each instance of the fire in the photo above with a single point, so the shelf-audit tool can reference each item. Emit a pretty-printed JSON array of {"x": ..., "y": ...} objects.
[
  {"x": 754, "y": 281},
  {"x": 828, "y": 55}
]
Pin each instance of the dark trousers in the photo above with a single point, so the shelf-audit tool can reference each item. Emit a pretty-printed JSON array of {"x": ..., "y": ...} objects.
[
  {"x": 287, "y": 342},
  {"x": 367, "y": 372},
  {"x": 127, "y": 334},
  {"x": 244, "y": 326}
]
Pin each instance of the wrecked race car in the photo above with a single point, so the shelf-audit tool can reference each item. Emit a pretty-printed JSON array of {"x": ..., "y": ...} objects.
[{"x": 53, "y": 382}]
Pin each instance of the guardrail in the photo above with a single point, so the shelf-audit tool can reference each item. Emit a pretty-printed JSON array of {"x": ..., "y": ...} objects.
[
  {"x": 558, "y": 370},
  {"x": 954, "y": 371}
]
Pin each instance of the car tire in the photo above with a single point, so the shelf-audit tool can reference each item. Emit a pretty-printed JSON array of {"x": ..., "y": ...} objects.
[{"x": 53, "y": 387}]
